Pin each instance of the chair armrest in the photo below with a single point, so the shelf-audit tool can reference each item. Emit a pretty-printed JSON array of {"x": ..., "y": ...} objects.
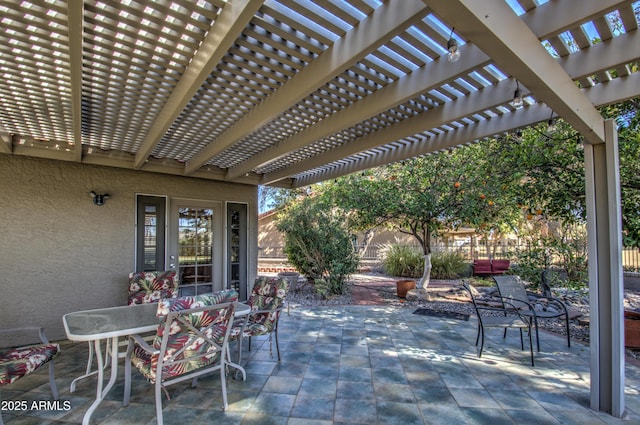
[
  {"x": 282, "y": 307},
  {"x": 549, "y": 300},
  {"x": 512, "y": 310},
  {"x": 139, "y": 340},
  {"x": 7, "y": 335},
  {"x": 509, "y": 301}
]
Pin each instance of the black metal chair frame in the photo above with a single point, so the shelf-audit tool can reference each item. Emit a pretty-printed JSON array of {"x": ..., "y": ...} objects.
[
  {"x": 503, "y": 318},
  {"x": 513, "y": 291}
]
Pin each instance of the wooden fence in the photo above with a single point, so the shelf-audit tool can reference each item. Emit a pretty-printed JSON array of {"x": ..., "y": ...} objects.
[{"x": 372, "y": 253}]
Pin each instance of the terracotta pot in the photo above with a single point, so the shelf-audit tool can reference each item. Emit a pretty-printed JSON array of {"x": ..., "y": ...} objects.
[
  {"x": 632, "y": 329},
  {"x": 404, "y": 286}
]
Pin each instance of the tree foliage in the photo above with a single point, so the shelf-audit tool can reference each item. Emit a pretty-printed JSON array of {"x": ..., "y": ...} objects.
[
  {"x": 627, "y": 116},
  {"x": 532, "y": 184}
]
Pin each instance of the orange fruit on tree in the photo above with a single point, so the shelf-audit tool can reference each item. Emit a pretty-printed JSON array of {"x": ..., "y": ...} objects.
[
  {"x": 490, "y": 203},
  {"x": 482, "y": 196},
  {"x": 456, "y": 185},
  {"x": 529, "y": 216}
]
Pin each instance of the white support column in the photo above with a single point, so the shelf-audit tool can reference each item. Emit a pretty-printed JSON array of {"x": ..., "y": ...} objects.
[{"x": 604, "y": 230}]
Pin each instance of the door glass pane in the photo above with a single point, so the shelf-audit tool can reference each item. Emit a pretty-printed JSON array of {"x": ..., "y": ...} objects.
[
  {"x": 195, "y": 245},
  {"x": 150, "y": 237}
]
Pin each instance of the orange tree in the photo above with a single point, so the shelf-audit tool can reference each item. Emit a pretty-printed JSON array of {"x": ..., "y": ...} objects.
[{"x": 424, "y": 196}]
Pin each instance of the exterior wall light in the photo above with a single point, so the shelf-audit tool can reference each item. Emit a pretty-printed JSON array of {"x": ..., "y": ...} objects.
[{"x": 99, "y": 199}]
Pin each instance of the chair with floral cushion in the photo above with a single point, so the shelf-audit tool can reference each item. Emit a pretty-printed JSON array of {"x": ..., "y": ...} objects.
[
  {"x": 17, "y": 362},
  {"x": 143, "y": 288},
  {"x": 191, "y": 341},
  {"x": 267, "y": 300},
  {"x": 151, "y": 287}
]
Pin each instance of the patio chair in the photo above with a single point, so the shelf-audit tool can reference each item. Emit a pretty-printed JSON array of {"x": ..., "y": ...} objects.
[
  {"x": 151, "y": 287},
  {"x": 496, "y": 317},
  {"x": 191, "y": 341},
  {"x": 18, "y": 362},
  {"x": 267, "y": 300},
  {"x": 533, "y": 306},
  {"x": 143, "y": 287}
]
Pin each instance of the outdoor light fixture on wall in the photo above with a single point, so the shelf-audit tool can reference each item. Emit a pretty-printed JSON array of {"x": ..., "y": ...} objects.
[
  {"x": 452, "y": 46},
  {"x": 99, "y": 199},
  {"x": 517, "y": 101}
]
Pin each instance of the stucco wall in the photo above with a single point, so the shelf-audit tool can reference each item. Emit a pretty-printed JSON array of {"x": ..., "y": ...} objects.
[{"x": 61, "y": 253}]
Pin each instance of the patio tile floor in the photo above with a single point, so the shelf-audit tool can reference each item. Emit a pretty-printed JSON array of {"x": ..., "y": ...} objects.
[{"x": 356, "y": 365}]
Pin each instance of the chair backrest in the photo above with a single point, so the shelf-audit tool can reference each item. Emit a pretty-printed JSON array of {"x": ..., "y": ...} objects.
[
  {"x": 193, "y": 332},
  {"x": 470, "y": 289},
  {"x": 269, "y": 295},
  {"x": 151, "y": 287},
  {"x": 511, "y": 288}
]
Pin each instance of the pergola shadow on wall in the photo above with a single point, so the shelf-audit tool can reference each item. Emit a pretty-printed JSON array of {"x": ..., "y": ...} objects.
[{"x": 290, "y": 93}]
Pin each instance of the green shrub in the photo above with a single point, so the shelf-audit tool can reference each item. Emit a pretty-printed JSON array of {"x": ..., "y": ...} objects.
[
  {"x": 318, "y": 244},
  {"x": 402, "y": 260},
  {"x": 567, "y": 261},
  {"x": 447, "y": 265}
]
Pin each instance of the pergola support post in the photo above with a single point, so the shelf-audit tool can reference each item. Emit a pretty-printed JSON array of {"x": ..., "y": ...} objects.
[{"x": 604, "y": 230}]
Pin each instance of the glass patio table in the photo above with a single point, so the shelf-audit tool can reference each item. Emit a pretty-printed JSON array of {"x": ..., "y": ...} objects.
[{"x": 110, "y": 324}]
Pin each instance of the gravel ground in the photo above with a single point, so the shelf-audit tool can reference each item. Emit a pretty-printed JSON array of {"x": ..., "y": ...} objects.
[{"x": 450, "y": 296}]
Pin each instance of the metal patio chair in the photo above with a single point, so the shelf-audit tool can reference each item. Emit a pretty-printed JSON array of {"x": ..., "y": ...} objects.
[
  {"x": 19, "y": 361},
  {"x": 497, "y": 317},
  {"x": 267, "y": 300},
  {"x": 191, "y": 341},
  {"x": 531, "y": 305}
]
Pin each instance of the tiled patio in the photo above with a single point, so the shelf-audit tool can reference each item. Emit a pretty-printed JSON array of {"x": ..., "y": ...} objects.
[{"x": 358, "y": 365}]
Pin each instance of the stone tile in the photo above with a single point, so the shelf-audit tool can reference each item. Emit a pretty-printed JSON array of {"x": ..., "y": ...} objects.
[
  {"x": 364, "y": 411},
  {"x": 395, "y": 413},
  {"x": 355, "y": 390},
  {"x": 436, "y": 414},
  {"x": 318, "y": 388},
  {"x": 273, "y": 404},
  {"x": 474, "y": 398},
  {"x": 361, "y": 374},
  {"x": 489, "y": 416},
  {"x": 433, "y": 394},
  {"x": 313, "y": 408},
  {"x": 282, "y": 385},
  {"x": 394, "y": 392},
  {"x": 461, "y": 379}
]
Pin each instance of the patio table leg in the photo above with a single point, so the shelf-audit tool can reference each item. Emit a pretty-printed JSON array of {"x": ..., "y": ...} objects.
[
  {"x": 88, "y": 372},
  {"x": 236, "y": 365},
  {"x": 101, "y": 391}
]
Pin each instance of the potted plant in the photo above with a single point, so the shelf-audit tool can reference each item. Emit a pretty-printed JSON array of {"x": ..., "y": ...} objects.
[{"x": 403, "y": 286}]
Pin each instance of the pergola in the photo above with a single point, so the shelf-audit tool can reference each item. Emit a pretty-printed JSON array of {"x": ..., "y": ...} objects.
[{"x": 293, "y": 92}]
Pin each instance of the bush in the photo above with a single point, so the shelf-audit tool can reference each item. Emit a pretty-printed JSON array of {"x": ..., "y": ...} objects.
[
  {"x": 447, "y": 265},
  {"x": 569, "y": 268},
  {"x": 318, "y": 244},
  {"x": 402, "y": 260}
]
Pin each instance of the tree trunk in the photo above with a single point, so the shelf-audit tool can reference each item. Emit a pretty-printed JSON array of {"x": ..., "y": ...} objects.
[{"x": 424, "y": 280}]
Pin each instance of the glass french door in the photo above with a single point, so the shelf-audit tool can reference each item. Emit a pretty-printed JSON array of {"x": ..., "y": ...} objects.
[{"x": 196, "y": 245}]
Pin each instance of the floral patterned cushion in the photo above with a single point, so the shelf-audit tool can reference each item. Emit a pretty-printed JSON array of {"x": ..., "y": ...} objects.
[
  {"x": 151, "y": 287},
  {"x": 269, "y": 293},
  {"x": 18, "y": 362},
  {"x": 183, "y": 343}
]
